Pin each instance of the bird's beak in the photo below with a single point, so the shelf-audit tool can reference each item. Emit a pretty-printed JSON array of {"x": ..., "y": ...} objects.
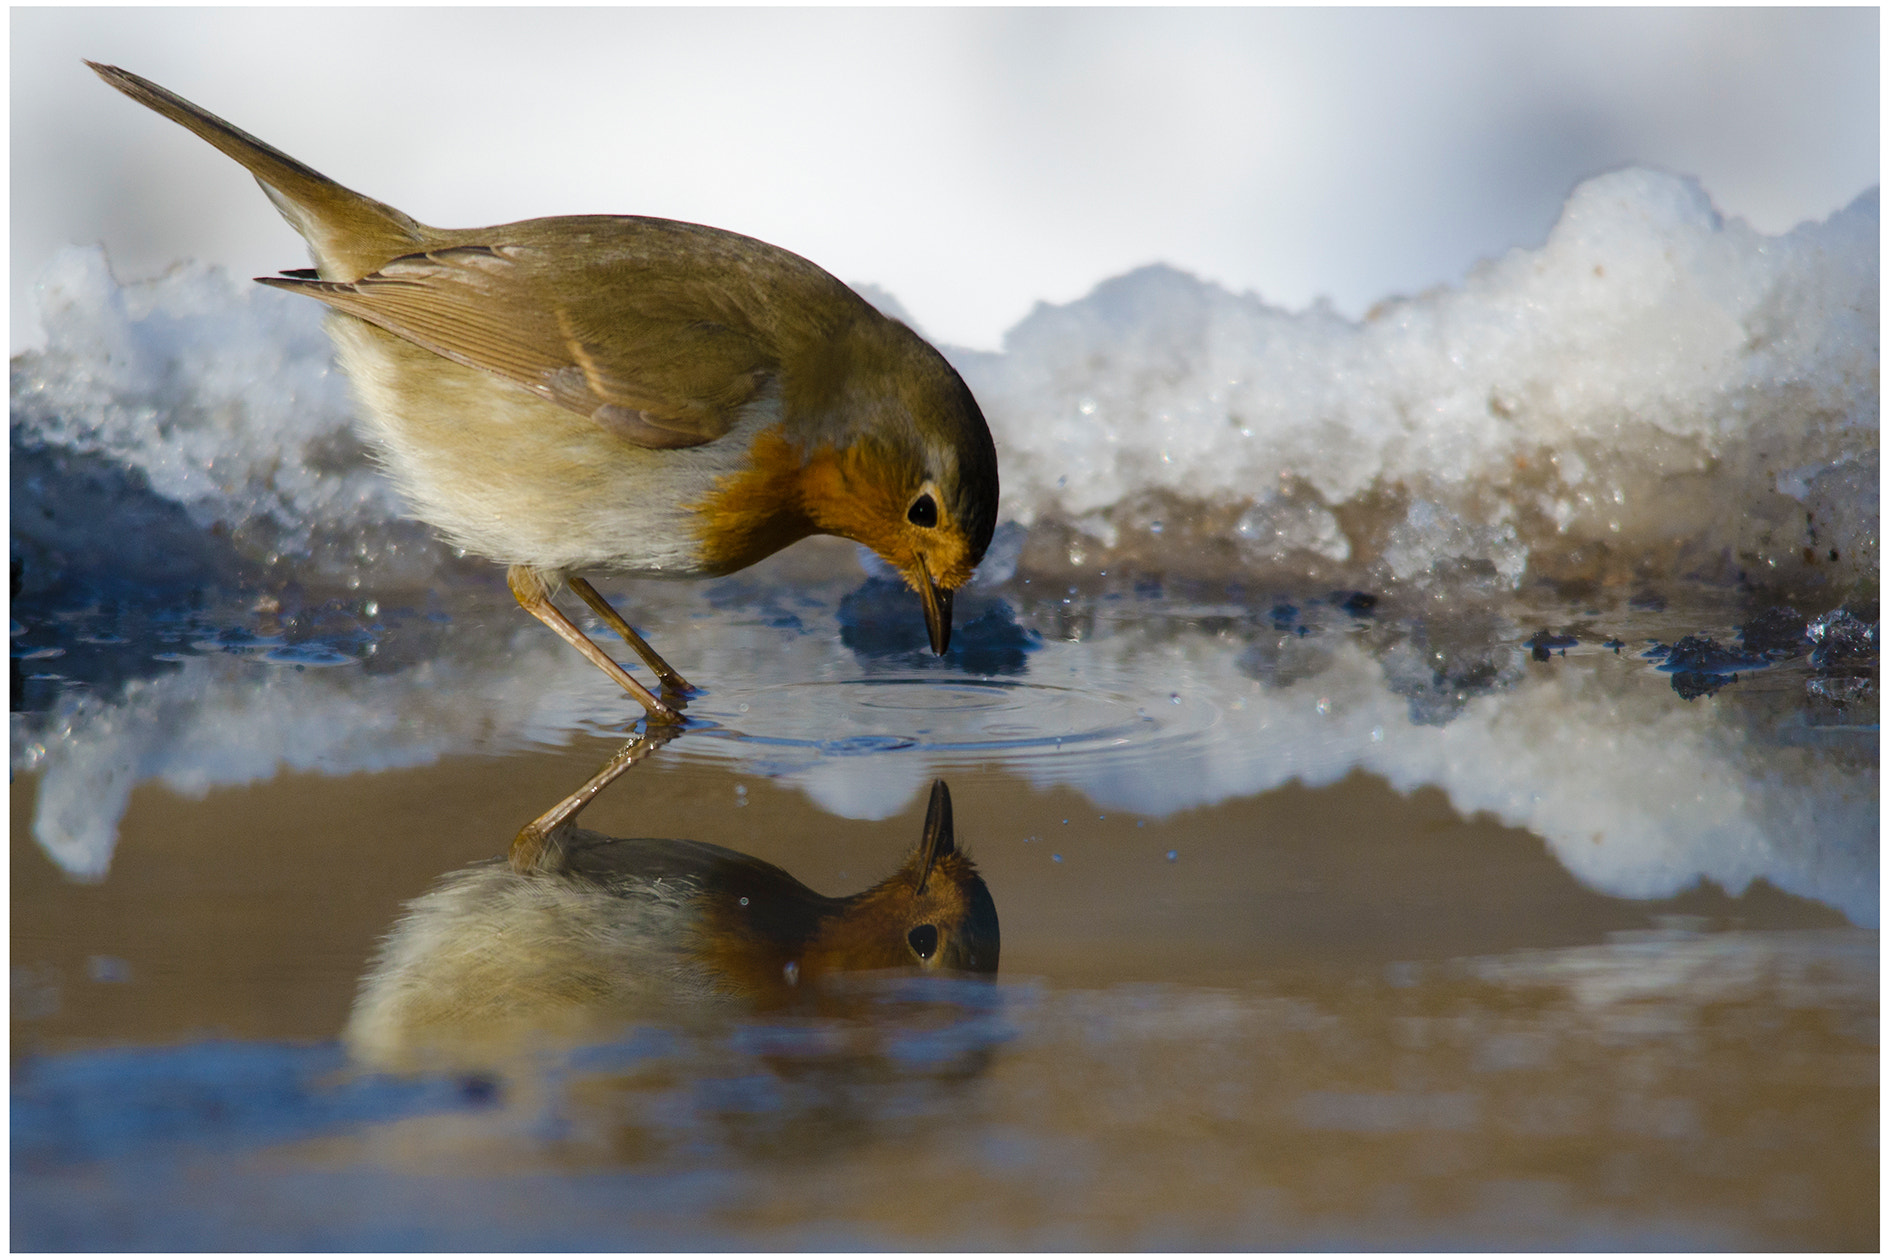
[
  {"x": 938, "y": 838},
  {"x": 938, "y": 610}
]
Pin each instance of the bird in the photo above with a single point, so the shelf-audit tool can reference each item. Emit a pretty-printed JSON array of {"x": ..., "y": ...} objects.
[
  {"x": 600, "y": 931},
  {"x": 629, "y": 394}
]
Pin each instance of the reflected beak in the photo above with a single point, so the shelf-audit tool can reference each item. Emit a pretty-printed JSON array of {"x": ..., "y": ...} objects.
[
  {"x": 938, "y": 610},
  {"x": 937, "y": 841}
]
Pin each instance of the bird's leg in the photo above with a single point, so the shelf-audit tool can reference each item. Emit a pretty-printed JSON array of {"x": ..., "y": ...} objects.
[
  {"x": 529, "y": 589},
  {"x": 529, "y": 845},
  {"x": 671, "y": 680}
]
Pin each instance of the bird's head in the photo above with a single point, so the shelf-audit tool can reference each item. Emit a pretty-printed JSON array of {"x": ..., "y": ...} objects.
[
  {"x": 910, "y": 470},
  {"x": 934, "y": 913},
  {"x": 880, "y": 442}
]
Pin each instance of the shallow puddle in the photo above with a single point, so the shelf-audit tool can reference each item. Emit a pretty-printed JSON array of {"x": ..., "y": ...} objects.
[{"x": 1326, "y": 922}]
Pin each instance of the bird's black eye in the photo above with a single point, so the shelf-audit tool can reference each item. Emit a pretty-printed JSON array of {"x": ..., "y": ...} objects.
[
  {"x": 923, "y": 512},
  {"x": 924, "y": 941}
]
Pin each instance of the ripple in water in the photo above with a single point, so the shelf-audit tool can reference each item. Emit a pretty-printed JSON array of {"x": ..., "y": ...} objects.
[{"x": 1004, "y": 717}]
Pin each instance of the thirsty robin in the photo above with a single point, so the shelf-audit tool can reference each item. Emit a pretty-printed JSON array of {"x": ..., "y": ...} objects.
[
  {"x": 628, "y": 393},
  {"x": 602, "y": 930}
]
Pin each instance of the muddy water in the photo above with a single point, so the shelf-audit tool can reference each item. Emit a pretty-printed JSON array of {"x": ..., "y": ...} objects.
[{"x": 1326, "y": 923}]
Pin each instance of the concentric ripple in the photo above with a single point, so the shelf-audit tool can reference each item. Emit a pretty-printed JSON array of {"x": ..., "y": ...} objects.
[{"x": 1005, "y": 717}]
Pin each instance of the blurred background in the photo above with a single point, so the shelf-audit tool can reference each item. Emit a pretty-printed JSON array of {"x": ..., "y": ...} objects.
[{"x": 971, "y": 162}]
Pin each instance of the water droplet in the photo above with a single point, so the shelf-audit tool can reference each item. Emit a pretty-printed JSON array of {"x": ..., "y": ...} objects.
[
  {"x": 1170, "y": 855},
  {"x": 744, "y": 901},
  {"x": 371, "y": 609},
  {"x": 1056, "y": 857},
  {"x": 1324, "y": 706},
  {"x": 1378, "y": 734},
  {"x": 791, "y": 973},
  {"x": 1174, "y": 697}
]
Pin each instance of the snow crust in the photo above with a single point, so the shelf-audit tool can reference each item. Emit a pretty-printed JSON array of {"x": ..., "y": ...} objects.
[
  {"x": 1653, "y": 373},
  {"x": 1655, "y": 386}
]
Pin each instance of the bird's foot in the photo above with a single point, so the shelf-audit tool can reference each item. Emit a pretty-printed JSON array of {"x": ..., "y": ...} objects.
[{"x": 666, "y": 712}]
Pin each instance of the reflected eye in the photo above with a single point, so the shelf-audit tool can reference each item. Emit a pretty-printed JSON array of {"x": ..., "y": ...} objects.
[
  {"x": 924, "y": 941},
  {"x": 923, "y": 512}
]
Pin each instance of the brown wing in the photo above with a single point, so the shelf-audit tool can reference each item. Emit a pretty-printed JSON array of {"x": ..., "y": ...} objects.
[{"x": 601, "y": 336}]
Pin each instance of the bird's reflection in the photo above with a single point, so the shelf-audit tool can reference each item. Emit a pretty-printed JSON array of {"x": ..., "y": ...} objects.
[{"x": 580, "y": 933}]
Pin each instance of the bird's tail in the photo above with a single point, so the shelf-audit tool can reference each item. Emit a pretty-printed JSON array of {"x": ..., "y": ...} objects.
[{"x": 349, "y": 235}]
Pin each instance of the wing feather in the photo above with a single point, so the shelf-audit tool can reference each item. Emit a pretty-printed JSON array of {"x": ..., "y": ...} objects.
[{"x": 619, "y": 337}]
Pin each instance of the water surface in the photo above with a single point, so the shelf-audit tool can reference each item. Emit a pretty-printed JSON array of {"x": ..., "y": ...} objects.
[{"x": 1327, "y": 921}]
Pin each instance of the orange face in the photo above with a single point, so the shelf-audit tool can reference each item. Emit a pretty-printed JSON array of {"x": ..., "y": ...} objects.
[
  {"x": 951, "y": 925},
  {"x": 861, "y": 493}
]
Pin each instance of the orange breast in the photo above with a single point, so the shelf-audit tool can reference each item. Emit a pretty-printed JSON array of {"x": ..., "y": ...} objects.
[{"x": 754, "y": 513}]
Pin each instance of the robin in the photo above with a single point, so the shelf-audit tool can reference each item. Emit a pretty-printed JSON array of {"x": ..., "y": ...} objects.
[
  {"x": 601, "y": 929},
  {"x": 629, "y": 393}
]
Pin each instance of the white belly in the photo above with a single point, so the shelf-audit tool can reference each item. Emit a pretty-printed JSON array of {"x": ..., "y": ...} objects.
[
  {"x": 511, "y": 477},
  {"x": 488, "y": 962}
]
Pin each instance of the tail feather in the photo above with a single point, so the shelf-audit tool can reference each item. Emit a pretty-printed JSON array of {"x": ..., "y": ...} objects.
[{"x": 349, "y": 235}]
